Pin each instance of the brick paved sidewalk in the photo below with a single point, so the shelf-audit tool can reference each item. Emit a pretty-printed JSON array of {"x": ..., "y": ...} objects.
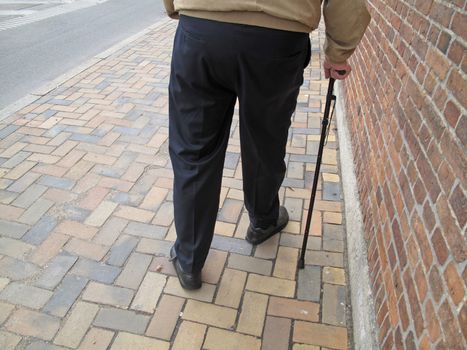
[{"x": 86, "y": 225}]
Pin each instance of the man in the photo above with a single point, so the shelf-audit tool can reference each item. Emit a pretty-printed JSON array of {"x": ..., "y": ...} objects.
[{"x": 254, "y": 51}]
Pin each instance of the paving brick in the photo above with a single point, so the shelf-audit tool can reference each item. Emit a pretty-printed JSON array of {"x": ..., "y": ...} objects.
[
  {"x": 271, "y": 285},
  {"x": 76, "y": 229},
  {"x": 8, "y": 341},
  {"x": 232, "y": 245},
  {"x": 162, "y": 264},
  {"x": 294, "y": 309},
  {"x": 65, "y": 295},
  {"x": 146, "y": 230},
  {"x": 25, "y": 295},
  {"x": 250, "y": 264},
  {"x": 154, "y": 246},
  {"x": 19, "y": 170},
  {"x": 100, "y": 215},
  {"x": 41, "y": 230},
  {"x": 306, "y": 347},
  {"x": 56, "y": 182},
  {"x": 332, "y": 218},
  {"x": 110, "y": 231},
  {"x": 14, "y": 248},
  {"x": 190, "y": 336},
  {"x": 231, "y": 288},
  {"x": 165, "y": 318},
  {"x": 134, "y": 214},
  {"x": 333, "y": 275},
  {"x": 48, "y": 249},
  {"x": 286, "y": 263},
  {"x": 134, "y": 271},
  {"x": 3, "y": 282},
  {"x": 6, "y": 197},
  {"x": 24, "y": 182},
  {"x": 209, "y": 314},
  {"x": 96, "y": 339},
  {"x": 125, "y": 341},
  {"x": 205, "y": 293},
  {"x": 149, "y": 292},
  {"x": 251, "y": 320},
  {"x": 222, "y": 339},
  {"x": 16, "y": 269},
  {"x": 294, "y": 207},
  {"x": 109, "y": 295},
  {"x": 42, "y": 345},
  {"x": 165, "y": 214},
  {"x": 324, "y": 258},
  {"x": 309, "y": 283},
  {"x": 28, "y": 197},
  {"x": 95, "y": 271},
  {"x": 276, "y": 334},
  {"x": 224, "y": 228},
  {"x": 76, "y": 325},
  {"x": 121, "y": 320},
  {"x": 333, "y": 238},
  {"x": 54, "y": 271},
  {"x": 86, "y": 249},
  {"x": 320, "y": 334},
  {"x": 33, "y": 324},
  {"x": 334, "y": 305},
  {"x": 214, "y": 266},
  {"x": 5, "y": 311},
  {"x": 268, "y": 249},
  {"x": 296, "y": 241},
  {"x": 154, "y": 198},
  {"x": 230, "y": 211},
  {"x": 12, "y": 229},
  {"x": 121, "y": 250},
  {"x": 10, "y": 213}
]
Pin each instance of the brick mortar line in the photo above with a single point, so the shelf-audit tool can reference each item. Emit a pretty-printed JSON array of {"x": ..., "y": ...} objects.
[{"x": 63, "y": 78}]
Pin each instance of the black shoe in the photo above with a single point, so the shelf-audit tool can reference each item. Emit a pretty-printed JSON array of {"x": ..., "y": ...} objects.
[
  {"x": 257, "y": 235},
  {"x": 187, "y": 280}
]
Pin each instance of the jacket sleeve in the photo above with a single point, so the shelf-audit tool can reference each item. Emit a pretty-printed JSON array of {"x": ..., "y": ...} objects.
[
  {"x": 346, "y": 22},
  {"x": 170, "y": 9}
]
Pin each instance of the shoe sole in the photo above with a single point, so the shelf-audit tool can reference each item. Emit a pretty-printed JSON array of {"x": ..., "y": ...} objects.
[{"x": 279, "y": 229}]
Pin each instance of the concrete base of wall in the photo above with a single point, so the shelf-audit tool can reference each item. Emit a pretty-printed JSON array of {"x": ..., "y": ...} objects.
[{"x": 363, "y": 311}]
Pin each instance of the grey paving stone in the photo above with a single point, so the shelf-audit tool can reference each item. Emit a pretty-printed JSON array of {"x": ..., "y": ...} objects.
[
  {"x": 321, "y": 258},
  {"x": 232, "y": 245},
  {"x": 309, "y": 283},
  {"x": 7, "y": 130},
  {"x": 6, "y": 197},
  {"x": 146, "y": 230},
  {"x": 56, "y": 182},
  {"x": 334, "y": 305},
  {"x": 110, "y": 295},
  {"x": 288, "y": 182},
  {"x": 334, "y": 231},
  {"x": 231, "y": 160},
  {"x": 24, "y": 182},
  {"x": 296, "y": 241},
  {"x": 303, "y": 158},
  {"x": 25, "y": 295},
  {"x": 154, "y": 247},
  {"x": 12, "y": 229},
  {"x": 16, "y": 159},
  {"x": 41, "y": 230},
  {"x": 14, "y": 248},
  {"x": 331, "y": 191},
  {"x": 29, "y": 196},
  {"x": 55, "y": 270},
  {"x": 74, "y": 213},
  {"x": 131, "y": 199},
  {"x": 84, "y": 137},
  {"x": 122, "y": 320},
  {"x": 96, "y": 271},
  {"x": 17, "y": 269},
  {"x": 134, "y": 271},
  {"x": 121, "y": 250},
  {"x": 250, "y": 264},
  {"x": 65, "y": 295},
  {"x": 110, "y": 231},
  {"x": 36, "y": 211}
]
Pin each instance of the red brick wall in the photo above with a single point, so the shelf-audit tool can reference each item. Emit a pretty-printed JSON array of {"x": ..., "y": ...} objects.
[{"x": 406, "y": 110}]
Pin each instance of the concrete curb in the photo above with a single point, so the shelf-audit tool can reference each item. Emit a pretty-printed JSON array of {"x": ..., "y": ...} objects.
[
  {"x": 363, "y": 311},
  {"x": 53, "y": 84}
]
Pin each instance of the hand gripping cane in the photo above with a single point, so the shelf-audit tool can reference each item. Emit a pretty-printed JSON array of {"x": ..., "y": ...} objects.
[{"x": 330, "y": 97}]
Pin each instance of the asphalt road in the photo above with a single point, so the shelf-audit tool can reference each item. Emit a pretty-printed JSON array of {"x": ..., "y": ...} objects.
[{"x": 34, "y": 54}]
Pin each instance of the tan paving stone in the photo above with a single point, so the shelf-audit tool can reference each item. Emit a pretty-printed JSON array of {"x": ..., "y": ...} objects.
[
  {"x": 231, "y": 288},
  {"x": 77, "y": 324},
  {"x": 33, "y": 324},
  {"x": 286, "y": 263},
  {"x": 305, "y": 347},
  {"x": 165, "y": 318},
  {"x": 162, "y": 265},
  {"x": 320, "y": 334},
  {"x": 242, "y": 226},
  {"x": 134, "y": 271},
  {"x": 96, "y": 339},
  {"x": 76, "y": 229},
  {"x": 224, "y": 228},
  {"x": 149, "y": 292},
  {"x": 126, "y": 341},
  {"x": 86, "y": 249},
  {"x": 250, "y": 264},
  {"x": 134, "y": 214},
  {"x": 268, "y": 249},
  {"x": 218, "y": 339},
  {"x": 294, "y": 309},
  {"x": 109, "y": 295},
  {"x": 100, "y": 215},
  {"x": 218, "y": 316},
  {"x": 253, "y": 313},
  {"x": 48, "y": 249},
  {"x": 214, "y": 266},
  {"x": 271, "y": 285},
  {"x": 154, "y": 198},
  {"x": 333, "y": 275},
  {"x": 8, "y": 341},
  {"x": 205, "y": 293},
  {"x": 332, "y": 218},
  {"x": 321, "y": 258},
  {"x": 5, "y": 311},
  {"x": 190, "y": 336}
]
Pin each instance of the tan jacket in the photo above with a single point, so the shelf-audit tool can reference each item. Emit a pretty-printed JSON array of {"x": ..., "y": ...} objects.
[{"x": 346, "y": 20}]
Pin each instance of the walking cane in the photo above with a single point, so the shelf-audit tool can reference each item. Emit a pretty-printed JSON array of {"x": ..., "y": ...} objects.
[{"x": 330, "y": 97}]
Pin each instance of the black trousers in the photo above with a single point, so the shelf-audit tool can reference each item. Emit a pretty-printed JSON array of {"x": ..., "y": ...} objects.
[{"x": 213, "y": 64}]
